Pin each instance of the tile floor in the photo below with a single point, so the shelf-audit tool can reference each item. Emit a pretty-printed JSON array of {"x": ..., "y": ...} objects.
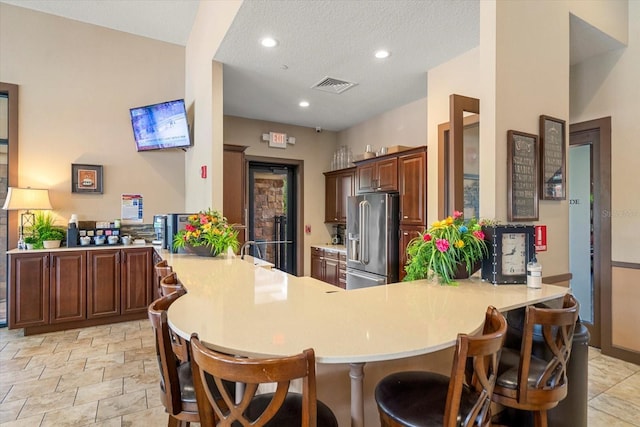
[{"x": 108, "y": 376}]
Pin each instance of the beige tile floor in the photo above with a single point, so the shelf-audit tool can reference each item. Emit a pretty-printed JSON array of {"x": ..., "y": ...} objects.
[{"x": 107, "y": 376}]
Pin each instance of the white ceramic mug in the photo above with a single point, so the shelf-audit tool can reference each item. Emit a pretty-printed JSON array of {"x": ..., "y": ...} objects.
[
  {"x": 126, "y": 240},
  {"x": 112, "y": 240}
]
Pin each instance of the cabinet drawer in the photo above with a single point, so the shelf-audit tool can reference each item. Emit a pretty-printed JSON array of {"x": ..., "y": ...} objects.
[
  {"x": 343, "y": 257},
  {"x": 317, "y": 251},
  {"x": 331, "y": 254}
]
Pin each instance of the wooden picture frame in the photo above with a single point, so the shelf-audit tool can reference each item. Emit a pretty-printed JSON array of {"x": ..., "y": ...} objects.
[
  {"x": 552, "y": 158},
  {"x": 522, "y": 176},
  {"x": 86, "y": 178}
]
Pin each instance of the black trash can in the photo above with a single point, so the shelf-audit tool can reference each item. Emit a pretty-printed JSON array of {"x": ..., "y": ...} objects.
[{"x": 572, "y": 410}]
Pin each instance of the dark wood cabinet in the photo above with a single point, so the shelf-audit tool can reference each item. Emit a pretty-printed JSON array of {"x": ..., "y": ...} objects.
[
  {"x": 339, "y": 185},
  {"x": 234, "y": 185},
  {"x": 58, "y": 290},
  {"x": 328, "y": 266},
  {"x": 412, "y": 186},
  {"x": 103, "y": 283},
  {"x": 28, "y": 290},
  {"x": 136, "y": 293},
  {"x": 378, "y": 175},
  {"x": 68, "y": 284},
  {"x": 407, "y": 233}
]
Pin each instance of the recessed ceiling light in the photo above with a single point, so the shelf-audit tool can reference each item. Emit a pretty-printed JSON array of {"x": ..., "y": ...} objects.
[
  {"x": 304, "y": 104},
  {"x": 269, "y": 42},
  {"x": 381, "y": 54}
]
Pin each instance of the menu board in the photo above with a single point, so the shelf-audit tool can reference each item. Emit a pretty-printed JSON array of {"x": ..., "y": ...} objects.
[
  {"x": 552, "y": 158},
  {"x": 522, "y": 160}
]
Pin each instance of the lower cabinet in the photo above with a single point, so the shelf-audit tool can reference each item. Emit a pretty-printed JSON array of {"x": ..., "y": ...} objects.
[
  {"x": 407, "y": 233},
  {"x": 63, "y": 289},
  {"x": 329, "y": 266}
]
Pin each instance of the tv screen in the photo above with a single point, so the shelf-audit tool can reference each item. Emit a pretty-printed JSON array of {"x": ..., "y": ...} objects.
[{"x": 160, "y": 126}]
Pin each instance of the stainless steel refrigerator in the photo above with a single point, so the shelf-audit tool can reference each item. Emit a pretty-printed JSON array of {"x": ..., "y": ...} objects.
[{"x": 372, "y": 239}]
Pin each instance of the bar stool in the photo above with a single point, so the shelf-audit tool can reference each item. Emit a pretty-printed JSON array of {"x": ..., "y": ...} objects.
[
  {"x": 176, "y": 383},
  {"x": 417, "y": 398},
  {"x": 170, "y": 283},
  {"x": 278, "y": 409},
  {"x": 535, "y": 379},
  {"x": 161, "y": 269}
]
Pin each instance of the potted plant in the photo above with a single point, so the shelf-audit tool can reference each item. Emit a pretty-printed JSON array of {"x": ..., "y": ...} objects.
[
  {"x": 44, "y": 230},
  {"x": 207, "y": 233},
  {"x": 51, "y": 238},
  {"x": 31, "y": 241},
  {"x": 448, "y": 249}
]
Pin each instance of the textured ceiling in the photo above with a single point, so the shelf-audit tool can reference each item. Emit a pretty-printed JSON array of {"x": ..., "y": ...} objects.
[{"x": 317, "y": 39}]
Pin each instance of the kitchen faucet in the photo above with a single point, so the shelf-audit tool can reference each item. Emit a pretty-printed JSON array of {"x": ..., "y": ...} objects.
[{"x": 253, "y": 242}]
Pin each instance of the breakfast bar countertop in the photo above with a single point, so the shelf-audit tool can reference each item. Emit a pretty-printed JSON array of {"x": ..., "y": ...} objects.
[{"x": 237, "y": 307}]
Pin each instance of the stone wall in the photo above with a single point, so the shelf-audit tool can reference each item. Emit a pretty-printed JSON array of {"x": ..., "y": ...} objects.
[{"x": 269, "y": 201}]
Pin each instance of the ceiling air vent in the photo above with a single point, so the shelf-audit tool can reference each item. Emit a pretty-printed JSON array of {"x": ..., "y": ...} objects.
[{"x": 331, "y": 85}]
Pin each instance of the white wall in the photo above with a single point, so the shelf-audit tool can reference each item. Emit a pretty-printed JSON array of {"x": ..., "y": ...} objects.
[{"x": 76, "y": 84}]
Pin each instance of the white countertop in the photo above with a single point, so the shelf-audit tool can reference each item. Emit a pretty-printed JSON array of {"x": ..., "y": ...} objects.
[
  {"x": 243, "y": 309},
  {"x": 82, "y": 248},
  {"x": 330, "y": 247}
]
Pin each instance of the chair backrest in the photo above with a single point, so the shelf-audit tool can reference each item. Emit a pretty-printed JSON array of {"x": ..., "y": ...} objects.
[
  {"x": 252, "y": 372},
  {"x": 170, "y": 284},
  {"x": 475, "y": 364},
  {"x": 161, "y": 269},
  {"x": 557, "y": 326},
  {"x": 167, "y": 345}
]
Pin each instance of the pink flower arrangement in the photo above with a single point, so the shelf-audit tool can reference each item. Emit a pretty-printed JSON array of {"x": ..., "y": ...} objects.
[{"x": 443, "y": 246}]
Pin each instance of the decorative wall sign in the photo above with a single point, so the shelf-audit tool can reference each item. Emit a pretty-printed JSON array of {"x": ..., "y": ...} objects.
[
  {"x": 552, "y": 158},
  {"x": 86, "y": 178},
  {"x": 522, "y": 176}
]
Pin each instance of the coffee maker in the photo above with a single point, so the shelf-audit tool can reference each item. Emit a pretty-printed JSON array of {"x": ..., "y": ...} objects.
[
  {"x": 337, "y": 238},
  {"x": 160, "y": 229}
]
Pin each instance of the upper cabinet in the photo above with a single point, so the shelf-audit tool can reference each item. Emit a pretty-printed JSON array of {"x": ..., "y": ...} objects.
[
  {"x": 412, "y": 186},
  {"x": 378, "y": 174},
  {"x": 339, "y": 185}
]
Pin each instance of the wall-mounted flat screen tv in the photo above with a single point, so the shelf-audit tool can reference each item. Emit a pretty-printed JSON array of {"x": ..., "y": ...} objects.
[{"x": 160, "y": 126}]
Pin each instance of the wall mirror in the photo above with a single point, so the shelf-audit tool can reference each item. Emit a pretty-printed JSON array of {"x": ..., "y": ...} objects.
[{"x": 459, "y": 158}]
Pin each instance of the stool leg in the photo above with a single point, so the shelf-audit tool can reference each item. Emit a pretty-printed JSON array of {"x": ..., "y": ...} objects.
[{"x": 540, "y": 418}]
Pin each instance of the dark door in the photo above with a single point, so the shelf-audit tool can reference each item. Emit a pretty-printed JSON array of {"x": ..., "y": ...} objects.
[{"x": 272, "y": 213}]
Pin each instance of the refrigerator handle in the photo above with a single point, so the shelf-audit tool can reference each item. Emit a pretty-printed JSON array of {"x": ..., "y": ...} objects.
[{"x": 364, "y": 223}]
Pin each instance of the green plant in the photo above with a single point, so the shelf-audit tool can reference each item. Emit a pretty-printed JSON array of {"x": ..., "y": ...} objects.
[
  {"x": 443, "y": 246},
  {"x": 32, "y": 240},
  {"x": 44, "y": 229},
  {"x": 52, "y": 234},
  {"x": 207, "y": 228}
]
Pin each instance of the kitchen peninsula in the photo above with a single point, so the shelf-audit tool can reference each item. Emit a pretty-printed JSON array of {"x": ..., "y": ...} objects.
[{"x": 240, "y": 308}]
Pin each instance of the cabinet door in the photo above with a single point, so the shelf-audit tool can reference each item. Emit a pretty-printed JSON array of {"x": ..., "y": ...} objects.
[
  {"x": 345, "y": 189},
  {"x": 412, "y": 187},
  {"x": 136, "y": 280},
  {"x": 233, "y": 183},
  {"x": 103, "y": 283},
  {"x": 68, "y": 283},
  {"x": 387, "y": 174},
  {"x": 28, "y": 290},
  {"x": 331, "y": 270},
  {"x": 366, "y": 177},
  {"x": 316, "y": 263},
  {"x": 331, "y": 208},
  {"x": 407, "y": 233}
]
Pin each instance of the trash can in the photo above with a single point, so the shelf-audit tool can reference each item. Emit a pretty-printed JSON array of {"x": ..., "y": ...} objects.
[{"x": 572, "y": 410}]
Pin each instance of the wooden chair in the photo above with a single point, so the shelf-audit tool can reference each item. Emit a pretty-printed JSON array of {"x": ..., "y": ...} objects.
[
  {"x": 176, "y": 383},
  {"x": 278, "y": 409},
  {"x": 161, "y": 269},
  {"x": 534, "y": 379},
  {"x": 417, "y": 398},
  {"x": 170, "y": 283}
]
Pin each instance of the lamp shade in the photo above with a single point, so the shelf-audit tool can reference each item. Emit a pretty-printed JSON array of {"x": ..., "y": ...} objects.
[{"x": 27, "y": 198}]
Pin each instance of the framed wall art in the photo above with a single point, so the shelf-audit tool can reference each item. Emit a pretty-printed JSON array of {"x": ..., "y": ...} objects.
[
  {"x": 86, "y": 178},
  {"x": 552, "y": 158},
  {"x": 522, "y": 176}
]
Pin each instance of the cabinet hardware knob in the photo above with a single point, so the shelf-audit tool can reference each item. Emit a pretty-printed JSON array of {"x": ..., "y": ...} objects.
[{"x": 405, "y": 217}]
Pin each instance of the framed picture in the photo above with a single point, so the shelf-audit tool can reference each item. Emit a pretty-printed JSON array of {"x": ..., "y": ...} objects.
[
  {"x": 86, "y": 178},
  {"x": 522, "y": 176},
  {"x": 552, "y": 158}
]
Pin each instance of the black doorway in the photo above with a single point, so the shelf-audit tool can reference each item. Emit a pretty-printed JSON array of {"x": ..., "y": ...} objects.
[{"x": 272, "y": 213}]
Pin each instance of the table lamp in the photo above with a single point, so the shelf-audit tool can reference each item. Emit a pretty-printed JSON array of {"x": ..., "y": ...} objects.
[{"x": 26, "y": 199}]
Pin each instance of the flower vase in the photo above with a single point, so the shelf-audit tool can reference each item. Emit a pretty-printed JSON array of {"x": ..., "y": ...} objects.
[
  {"x": 200, "y": 250},
  {"x": 462, "y": 272}
]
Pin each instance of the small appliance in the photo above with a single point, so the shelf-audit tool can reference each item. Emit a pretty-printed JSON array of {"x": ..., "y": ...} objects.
[
  {"x": 159, "y": 228},
  {"x": 175, "y": 223}
]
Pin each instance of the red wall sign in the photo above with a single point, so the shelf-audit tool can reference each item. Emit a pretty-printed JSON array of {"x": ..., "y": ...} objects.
[{"x": 541, "y": 238}]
